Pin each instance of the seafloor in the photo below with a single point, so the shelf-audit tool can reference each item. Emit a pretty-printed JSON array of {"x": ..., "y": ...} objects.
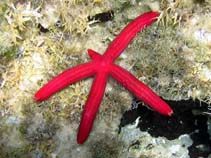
[{"x": 41, "y": 38}]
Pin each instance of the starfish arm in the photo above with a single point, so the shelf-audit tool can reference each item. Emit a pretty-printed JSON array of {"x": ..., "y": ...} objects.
[
  {"x": 140, "y": 90},
  {"x": 64, "y": 79},
  {"x": 94, "y": 55},
  {"x": 92, "y": 106},
  {"x": 128, "y": 33}
]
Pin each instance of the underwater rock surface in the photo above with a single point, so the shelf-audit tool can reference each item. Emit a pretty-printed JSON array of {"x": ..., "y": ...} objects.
[
  {"x": 190, "y": 124},
  {"x": 39, "y": 39}
]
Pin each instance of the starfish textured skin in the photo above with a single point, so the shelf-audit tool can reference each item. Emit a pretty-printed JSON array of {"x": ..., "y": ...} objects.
[{"x": 101, "y": 67}]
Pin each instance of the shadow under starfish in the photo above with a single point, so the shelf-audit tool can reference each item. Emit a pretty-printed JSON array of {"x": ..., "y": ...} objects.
[{"x": 101, "y": 67}]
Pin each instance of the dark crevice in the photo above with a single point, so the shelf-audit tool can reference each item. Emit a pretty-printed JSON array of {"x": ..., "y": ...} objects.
[
  {"x": 189, "y": 118},
  {"x": 102, "y": 17},
  {"x": 42, "y": 29}
]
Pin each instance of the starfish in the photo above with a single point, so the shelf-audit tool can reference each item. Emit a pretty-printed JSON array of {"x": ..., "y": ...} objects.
[{"x": 101, "y": 67}]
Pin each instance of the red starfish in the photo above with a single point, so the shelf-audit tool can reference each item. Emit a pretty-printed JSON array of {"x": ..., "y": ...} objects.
[{"x": 101, "y": 67}]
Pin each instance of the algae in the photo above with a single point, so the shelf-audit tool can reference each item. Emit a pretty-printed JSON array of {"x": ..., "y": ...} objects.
[{"x": 171, "y": 56}]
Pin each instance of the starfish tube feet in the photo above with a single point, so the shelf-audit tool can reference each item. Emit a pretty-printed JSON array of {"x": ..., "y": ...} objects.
[
  {"x": 92, "y": 106},
  {"x": 64, "y": 79},
  {"x": 140, "y": 90}
]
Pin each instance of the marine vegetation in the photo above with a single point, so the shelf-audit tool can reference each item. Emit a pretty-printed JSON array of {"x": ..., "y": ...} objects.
[{"x": 41, "y": 38}]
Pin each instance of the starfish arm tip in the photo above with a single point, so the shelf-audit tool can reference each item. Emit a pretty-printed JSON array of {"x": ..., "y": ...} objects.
[
  {"x": 80, "y": 140},
  {"x": 161, "y": 106},
  {"x": 170, "y": 113},
  {"x": 93, "y": 54},
  {"x": 37, "y": 97}
]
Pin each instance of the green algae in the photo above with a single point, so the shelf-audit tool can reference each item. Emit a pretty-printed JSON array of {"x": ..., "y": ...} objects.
[
  {"x": 16, "y": 152},
  {"x": 103, "y": 148},
  {"x": 158, "y": 60},
  {"x": 8, "y": 54}
]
